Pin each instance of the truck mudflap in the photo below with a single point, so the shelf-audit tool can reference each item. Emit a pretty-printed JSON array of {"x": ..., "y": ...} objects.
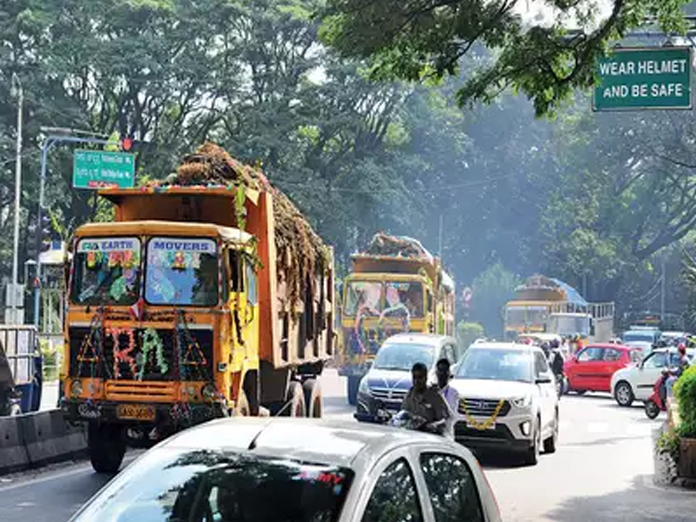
[{"x": 182, "y": 414}]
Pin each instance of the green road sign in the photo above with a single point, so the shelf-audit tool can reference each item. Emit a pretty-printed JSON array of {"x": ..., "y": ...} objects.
[
  {"x": 645, "y": 78},
  {"x": 93, "y": 169}
]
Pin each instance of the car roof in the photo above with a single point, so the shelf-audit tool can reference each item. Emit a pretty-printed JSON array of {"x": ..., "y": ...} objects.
[
  {"x": 611, "y": 345},
  {"x": 504, "y": 346},
  {"x": 419, "y": 338},
  {"x": 672, "y": 349},
  {"x": 322, "y": 441}
]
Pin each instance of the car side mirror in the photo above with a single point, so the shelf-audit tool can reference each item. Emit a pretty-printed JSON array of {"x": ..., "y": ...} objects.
[{"x": 543, "y": 379}]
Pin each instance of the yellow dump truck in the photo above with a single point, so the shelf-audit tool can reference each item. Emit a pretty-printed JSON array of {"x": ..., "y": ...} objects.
[
  {"x": 394, "y": 286},
  {"x": 201, "y": 300},
  {"x": 546, "y": 305}
]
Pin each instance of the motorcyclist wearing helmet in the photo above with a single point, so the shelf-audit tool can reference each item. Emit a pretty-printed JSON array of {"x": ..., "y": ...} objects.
[{"x": 425, "y": 402}]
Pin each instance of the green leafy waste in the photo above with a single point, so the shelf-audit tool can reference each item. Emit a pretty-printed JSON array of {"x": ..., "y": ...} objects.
[{"x": 296, "y": 242}]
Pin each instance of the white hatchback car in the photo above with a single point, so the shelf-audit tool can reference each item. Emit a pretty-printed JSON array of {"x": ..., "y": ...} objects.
[
  {"x": 280, "y": 469},
  {"x": 637, "y": 382},
  {"x": 508, "y": 400}
]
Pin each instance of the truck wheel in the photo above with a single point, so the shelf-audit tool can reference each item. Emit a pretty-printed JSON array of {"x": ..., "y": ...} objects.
[
  {"x": 242, "y": 408},
  {"x": 312, "y": 395},
  {"x": 295, "y": 402},
  {"x": 353, "y": 385},
  {"x": 107, "y": 447}
]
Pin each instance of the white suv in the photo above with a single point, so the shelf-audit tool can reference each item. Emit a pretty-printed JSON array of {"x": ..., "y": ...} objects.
[
  {"x": 637, "y": 382},
  {"x": 508, "y": 400}
]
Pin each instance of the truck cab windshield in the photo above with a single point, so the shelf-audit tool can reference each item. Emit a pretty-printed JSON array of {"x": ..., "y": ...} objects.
[
  {"x": 182, "y": 271},
  {"x": 106, "y": 271},
  {"x": 390, "y": 299}
]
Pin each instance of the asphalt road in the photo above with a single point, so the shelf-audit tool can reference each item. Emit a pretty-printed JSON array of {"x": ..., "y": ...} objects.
[{"x": 602, "y": 471}]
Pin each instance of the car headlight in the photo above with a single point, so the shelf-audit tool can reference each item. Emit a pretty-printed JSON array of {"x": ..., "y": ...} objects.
[
  {"x": 522, "y": 402},
  {"x": 76, "y": 388},
  {"x": 364, "y": 388}
]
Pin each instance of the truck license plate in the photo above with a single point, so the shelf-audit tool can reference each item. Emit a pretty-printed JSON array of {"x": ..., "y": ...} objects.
[{"x": 135, "y": 412}]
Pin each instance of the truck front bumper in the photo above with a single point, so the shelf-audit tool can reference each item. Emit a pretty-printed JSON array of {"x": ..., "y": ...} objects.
[{"x": 148, "y": 414}]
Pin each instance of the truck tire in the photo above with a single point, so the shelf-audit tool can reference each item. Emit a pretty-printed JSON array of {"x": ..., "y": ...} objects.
[
  {"x": 295, "y": 401},
  {"x": 312, "y": 395},
  {"x": 353, "y": 383},
  {"x": 107, "y": 446}
]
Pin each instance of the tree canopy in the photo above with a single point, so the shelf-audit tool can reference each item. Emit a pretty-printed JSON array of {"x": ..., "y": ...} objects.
[
  {"x": 546, "y": 57},
  {"x": 598, "y": 200}
]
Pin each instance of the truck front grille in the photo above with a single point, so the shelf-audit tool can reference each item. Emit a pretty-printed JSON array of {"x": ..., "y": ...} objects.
[{"x": 172, "y": 363}]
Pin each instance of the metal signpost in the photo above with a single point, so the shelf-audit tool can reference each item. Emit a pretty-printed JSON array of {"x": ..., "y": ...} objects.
[
  {"x": 105, "y": 171},
  {"x": 644, "y": 78}
]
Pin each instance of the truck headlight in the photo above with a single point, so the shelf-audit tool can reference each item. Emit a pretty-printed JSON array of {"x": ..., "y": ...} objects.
[
  {"x": 76, "y": 388},
  {"x": 522, "y": 402},
  {"x": 208, "y": 392},
  {"x": 364, "y": 388}
]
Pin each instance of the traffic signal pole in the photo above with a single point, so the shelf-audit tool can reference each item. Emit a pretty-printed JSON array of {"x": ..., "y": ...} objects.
[{"x": 48, "y": 144}]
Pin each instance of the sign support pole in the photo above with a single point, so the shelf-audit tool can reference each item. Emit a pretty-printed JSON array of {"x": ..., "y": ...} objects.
[{"x": 48, "y": 143}]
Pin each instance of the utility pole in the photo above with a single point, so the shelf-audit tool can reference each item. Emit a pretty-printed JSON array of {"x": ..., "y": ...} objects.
[
  {"x": 439, "y": 241},
  {"x": 663, "y": 287},
  {"x": 19, "y": 92}
]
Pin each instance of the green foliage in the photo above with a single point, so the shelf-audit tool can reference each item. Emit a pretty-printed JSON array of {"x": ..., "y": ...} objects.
[
  {"x": 423, "y": 39},
  {"x": 669, "y": 443},
  {"x": 685, "y": 392},
  {"x": 492, "y": 289},
  {"x": 50, "y": 360},
  {"x": 467, "y": 333}
]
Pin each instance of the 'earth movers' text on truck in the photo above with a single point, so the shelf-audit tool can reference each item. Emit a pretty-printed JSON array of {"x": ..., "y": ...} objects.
[
  {"x": 395, "y": 286},
  {"x": 209, "y": 296}
]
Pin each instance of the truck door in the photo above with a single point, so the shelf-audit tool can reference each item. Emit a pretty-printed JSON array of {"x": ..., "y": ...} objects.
[{"x": 243, "y": 303}]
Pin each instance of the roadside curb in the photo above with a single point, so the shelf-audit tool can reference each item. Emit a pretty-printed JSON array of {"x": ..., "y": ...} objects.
[{"x": 665, "y": 475}]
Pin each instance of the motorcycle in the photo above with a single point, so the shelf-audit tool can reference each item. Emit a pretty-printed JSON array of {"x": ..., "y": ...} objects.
[
  {"x": 655, "y": 403},
  {"x": 406, "y": 420}
]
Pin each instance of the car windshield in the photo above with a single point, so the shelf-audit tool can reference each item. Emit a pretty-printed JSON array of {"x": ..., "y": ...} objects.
[
  {"x": 496, "y": 365},
  {"x": 643, "y": 337},
  {"x": 402, "y": 357},
  {"x": 106, "y": 271},
  {"x": 570, "y": 324},
  {"x": 181, "y": 272},
  {"x": 203, "y": 486}
]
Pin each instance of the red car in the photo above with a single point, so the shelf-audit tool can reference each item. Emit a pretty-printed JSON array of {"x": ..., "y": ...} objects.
[{"x": 592, "y": 367}]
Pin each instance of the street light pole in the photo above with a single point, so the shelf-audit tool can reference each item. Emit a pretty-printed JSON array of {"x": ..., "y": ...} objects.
[
  {"x": 17, "y": 88},
  {"x": 49, "y": 142}
]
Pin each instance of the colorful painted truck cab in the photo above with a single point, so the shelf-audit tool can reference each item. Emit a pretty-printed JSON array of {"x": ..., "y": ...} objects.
[
  {"x": 395, "y": 286},
  {"x": 194, "y": 304}
]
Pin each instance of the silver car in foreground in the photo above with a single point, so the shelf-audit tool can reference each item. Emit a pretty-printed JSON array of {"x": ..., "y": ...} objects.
[{"x": 292, "y": 470}]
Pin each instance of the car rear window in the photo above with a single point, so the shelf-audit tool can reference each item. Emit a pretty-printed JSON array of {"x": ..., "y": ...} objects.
[{"x": 203, "y": 485}]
